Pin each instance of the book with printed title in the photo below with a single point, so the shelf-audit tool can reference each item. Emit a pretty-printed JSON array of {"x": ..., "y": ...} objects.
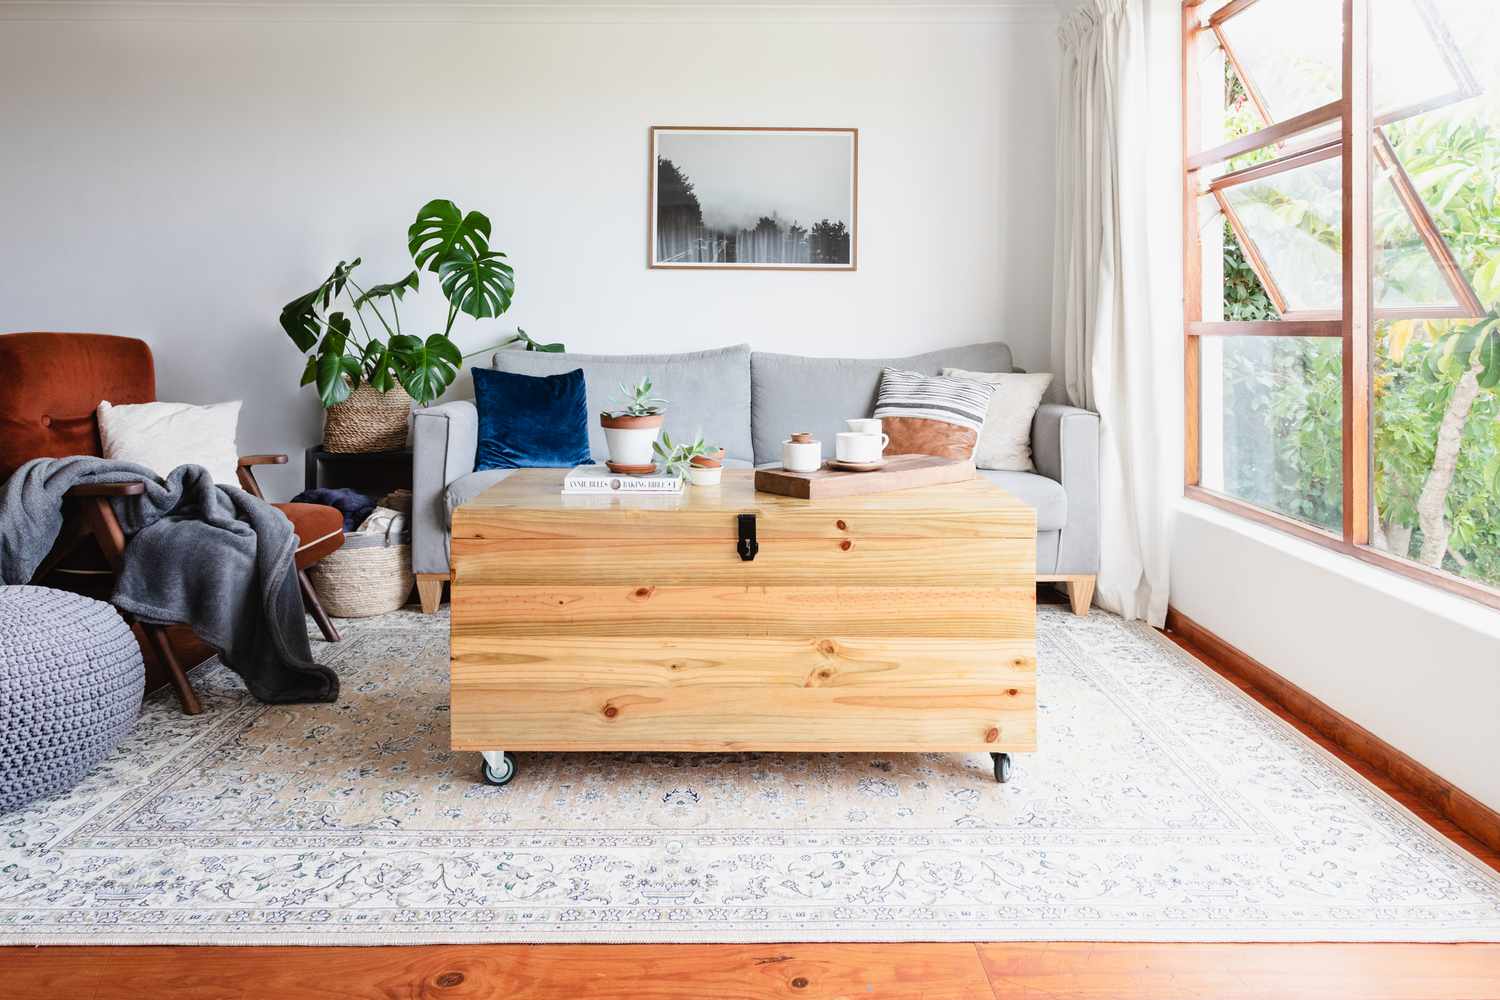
[{"x": 597, "y": 479}]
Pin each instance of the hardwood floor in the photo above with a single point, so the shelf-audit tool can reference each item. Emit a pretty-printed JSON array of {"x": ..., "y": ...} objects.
[{"x": 1056, "y": 971}]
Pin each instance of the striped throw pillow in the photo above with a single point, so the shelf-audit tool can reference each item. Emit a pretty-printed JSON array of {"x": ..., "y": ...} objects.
[{"x": 931, "y": 414}]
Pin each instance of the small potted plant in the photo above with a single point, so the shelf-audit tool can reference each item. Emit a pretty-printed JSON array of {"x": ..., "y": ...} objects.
[
  {"x": 631, "y": 430},
  {"x": 702, "y": 464}
]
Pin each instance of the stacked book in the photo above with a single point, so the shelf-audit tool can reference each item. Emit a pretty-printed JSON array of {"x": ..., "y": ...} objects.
[{"x": 597, "y": 479}]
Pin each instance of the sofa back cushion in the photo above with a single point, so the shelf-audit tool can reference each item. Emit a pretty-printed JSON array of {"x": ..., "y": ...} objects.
[
  {"x": 790, "y": 392},
  {"x": 706, "y": 391}
]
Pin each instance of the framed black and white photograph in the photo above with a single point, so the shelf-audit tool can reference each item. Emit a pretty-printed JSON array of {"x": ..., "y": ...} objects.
[{"x": 754, "y": 198}]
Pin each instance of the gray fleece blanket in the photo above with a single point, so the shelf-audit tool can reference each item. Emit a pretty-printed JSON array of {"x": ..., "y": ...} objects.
[{"x": 212, "y": 557}]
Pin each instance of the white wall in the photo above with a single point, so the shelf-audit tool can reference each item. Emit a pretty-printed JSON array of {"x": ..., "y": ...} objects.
[
  {"x": 178, "y": 173},
  {"x": 1416, "y": 666}
]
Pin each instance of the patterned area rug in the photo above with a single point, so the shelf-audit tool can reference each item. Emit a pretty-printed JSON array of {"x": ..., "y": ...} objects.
[{"x": 1163, "y": 805}]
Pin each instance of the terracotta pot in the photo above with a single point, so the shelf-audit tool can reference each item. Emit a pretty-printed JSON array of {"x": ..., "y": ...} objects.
[
  {"x": 708, "y": 461},
  {"x": 630, "y": 438}
]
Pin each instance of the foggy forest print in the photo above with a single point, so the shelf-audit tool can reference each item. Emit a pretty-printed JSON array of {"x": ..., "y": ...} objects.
[{"x": 753, "y": 198}]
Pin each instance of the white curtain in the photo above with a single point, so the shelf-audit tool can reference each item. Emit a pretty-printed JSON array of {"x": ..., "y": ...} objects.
[{"x": 1106, "y": 341}]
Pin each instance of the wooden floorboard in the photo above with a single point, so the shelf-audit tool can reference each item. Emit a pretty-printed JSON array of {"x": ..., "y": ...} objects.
[
  {"x": 1055, "y": 971},
  {"x": 535, "y": 972},
  {"x": 1243, "y": 971}
]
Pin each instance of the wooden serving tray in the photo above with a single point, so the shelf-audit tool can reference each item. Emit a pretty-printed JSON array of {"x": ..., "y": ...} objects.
[{"x": 901, "y": 472}]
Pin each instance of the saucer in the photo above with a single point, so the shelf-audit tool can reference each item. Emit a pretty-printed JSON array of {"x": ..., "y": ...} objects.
[
  {"x": 632, "y": 470},
  {"x": 834, "y": 463}
]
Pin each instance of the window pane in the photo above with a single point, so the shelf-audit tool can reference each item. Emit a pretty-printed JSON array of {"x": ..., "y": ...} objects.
[
  {"x": 1436, "y": 392},
  {"x": 1414, "y": 59},
  {"x": 1406, "y": 273},
  {"x": 1289, "y": 53},
  {"x": 1272, "y": 424},
  {"x": 1293, "y": 221}
]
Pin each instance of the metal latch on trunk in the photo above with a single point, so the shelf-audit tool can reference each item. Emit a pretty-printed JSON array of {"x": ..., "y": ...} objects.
[{"x": 747, "y": 546}]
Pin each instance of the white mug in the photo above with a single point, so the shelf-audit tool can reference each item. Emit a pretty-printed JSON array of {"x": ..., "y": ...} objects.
[
  {"x": 864, "y": 425},
  {"x": 851, "y": 446}
]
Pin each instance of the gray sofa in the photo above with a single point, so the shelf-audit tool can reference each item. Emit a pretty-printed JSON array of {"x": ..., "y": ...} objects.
[{"x": 748, "y": 402}]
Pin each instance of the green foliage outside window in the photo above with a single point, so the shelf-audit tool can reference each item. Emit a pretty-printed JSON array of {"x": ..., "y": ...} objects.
[{"x": 1435, "y": 503}]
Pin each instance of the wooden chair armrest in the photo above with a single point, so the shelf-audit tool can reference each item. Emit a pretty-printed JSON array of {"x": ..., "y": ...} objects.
[
  {"x": 248, "y": 460},
  {"x": 106, "y": 490}
]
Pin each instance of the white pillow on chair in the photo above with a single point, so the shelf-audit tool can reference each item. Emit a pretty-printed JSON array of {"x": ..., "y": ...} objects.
[{"x": 162, "y": 436}]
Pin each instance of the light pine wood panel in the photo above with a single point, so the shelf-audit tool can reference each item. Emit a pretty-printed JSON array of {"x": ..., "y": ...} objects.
[
  {"x": 556, "y": 693},
  {"x": 567, "y": 663},
  {"x": 528, "y": 504},
  {"x": 807, "y": 562},
  {"x": 937, "y": 612}
]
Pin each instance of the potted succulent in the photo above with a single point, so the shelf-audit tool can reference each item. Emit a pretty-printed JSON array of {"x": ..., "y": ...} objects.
[
  {"x": 366, "y": 381},
  {"x": 702, "y": 464},
  {"x": 631, "y": 430}
]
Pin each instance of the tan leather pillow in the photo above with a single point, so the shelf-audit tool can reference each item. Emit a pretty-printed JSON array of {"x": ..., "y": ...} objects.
[
  {"x": 931, "y": 414},
  {"x": 923, "y": 436}
]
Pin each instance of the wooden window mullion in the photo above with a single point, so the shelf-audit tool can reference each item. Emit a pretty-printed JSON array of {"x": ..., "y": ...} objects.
[{"x": 1358, "y": 304}]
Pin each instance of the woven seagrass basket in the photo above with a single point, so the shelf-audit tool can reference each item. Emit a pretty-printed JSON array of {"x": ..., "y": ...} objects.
[
  {"x": 369, "y": 420},
  {"x": 364, "y": 577}
]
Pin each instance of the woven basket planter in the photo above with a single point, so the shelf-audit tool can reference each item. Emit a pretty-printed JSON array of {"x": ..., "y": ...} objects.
[
  {"x": 369, "y": 420},
  {"x": 365, "y": 577}
]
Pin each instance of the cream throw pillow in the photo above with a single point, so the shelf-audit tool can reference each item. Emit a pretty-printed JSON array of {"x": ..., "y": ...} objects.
[
  {"x": 162, "y": 436},
  {"x": 1005, "y": 440}
]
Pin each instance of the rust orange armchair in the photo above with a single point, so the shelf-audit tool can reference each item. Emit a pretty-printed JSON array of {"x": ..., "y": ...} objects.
[{"x": 52, "y": 384}]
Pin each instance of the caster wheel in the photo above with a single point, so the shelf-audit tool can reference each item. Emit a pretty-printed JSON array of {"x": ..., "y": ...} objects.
[
  {"x": 501, "y": 775},
  {"x": 1002, "y": 767}
]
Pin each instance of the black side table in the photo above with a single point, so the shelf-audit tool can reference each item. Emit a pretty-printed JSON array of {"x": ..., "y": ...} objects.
[{"x": 375, "y": 472}]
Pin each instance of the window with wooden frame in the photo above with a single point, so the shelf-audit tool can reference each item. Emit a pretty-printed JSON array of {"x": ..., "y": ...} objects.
[{"x": 1341, "y": 210}]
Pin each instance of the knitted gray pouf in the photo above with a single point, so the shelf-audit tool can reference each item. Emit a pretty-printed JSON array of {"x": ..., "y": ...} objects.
[{"x": 71, "y": 679}]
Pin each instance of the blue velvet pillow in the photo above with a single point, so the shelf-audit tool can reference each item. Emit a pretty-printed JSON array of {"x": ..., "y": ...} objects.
[{"x": 529, "y": 422}]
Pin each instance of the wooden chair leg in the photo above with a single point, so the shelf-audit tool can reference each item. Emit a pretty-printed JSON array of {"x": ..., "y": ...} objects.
[
  {"x": 315, "y": 608},
  {"x": 186, "y": 696}
]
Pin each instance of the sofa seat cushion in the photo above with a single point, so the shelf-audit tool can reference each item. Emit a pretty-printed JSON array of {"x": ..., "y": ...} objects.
[
  {"x": 466, "y": 488},
  {"x": 707, "y": 392},
  {"x": 1046, "y": 495}
]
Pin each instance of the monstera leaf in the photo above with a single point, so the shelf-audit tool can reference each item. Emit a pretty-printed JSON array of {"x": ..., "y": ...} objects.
[
  {"x": 425, "y": 369},
  {"x": 441, "y": 229},
  {"x": 478, "y": 284},
  {"x": 337, "y": 372},
  {"x": 299, "y": 317},
  {"x": 397, "y": 289}
]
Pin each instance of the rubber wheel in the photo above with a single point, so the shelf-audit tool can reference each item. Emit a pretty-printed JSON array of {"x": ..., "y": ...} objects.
[
  {"x": 504, "y": 775},
  {"x": 1002, "y": 767}
]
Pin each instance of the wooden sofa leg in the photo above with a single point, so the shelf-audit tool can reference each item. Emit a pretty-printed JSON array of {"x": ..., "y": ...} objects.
[
  {"x": 1080, "y": 593},
  {"x": 430, "y": 590},
  {"x": 315, "y": 607}
]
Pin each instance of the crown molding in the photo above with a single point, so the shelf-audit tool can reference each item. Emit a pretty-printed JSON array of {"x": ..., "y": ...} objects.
[{"x": 538, "y": 11}]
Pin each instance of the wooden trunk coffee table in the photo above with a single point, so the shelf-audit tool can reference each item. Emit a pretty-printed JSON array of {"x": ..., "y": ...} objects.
[{"x": 901, "y": 621}]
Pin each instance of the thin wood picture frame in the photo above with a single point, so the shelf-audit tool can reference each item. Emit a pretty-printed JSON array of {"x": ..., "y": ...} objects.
[{"x": 710, "y": 208}]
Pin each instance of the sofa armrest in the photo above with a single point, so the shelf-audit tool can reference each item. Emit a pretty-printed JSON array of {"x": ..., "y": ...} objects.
[
  {"x": 444, "y": 438},
  {"x": 1065, "y": 447}
]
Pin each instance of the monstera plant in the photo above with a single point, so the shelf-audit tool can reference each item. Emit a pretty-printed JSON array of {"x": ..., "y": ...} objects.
[{"x": 346, "y": 351}]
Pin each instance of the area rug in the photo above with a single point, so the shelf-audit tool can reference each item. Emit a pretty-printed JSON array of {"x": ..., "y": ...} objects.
[{"x": 1162, "y": 805}]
